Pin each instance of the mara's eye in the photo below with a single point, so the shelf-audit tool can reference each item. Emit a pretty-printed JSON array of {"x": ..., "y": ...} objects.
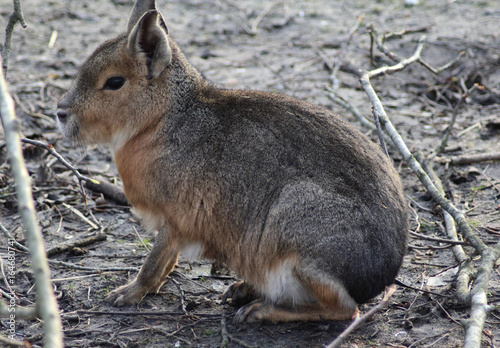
[{"x": 114, "y": 83}]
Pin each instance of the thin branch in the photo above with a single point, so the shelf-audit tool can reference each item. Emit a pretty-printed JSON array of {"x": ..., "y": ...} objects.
[
  {"x": 11, "y": 238},
  {"x": 359, "y": 320},
  {"x": 161, "y": 313},
  {"x": 80, "y": 215},
  {"x": 181, "y": 294},
  {"x": 470, "y": 159},
  {"x": 261, "y": 16},
  {"x": 400, "y": 283},
  {"x": 403, "y": 63},
  {"x": 227, "y": 337},
  {"x": 110, "y": 191},
  {"x": 451, "y": 227},
  {"x": 353, "y": 110},
  {"x": 61, "y": 159},
  {"x": 70, "y": 265},
  {"x": 479, "y": 301},
  {"x": 448, "y": 65},
  {"x": 20, "y": 312},
  {"x": 466, "y": 271},
  {"x": 379, "y": 132},
  {"x": 447, "y": 133},
  {"x": 430, "y": 247},
  {"x": 16, "y": 16},
  {"x": 142, "y": 240},
  {"x": 93, "y": 269},
  {"x": 11, "y": 342},
  {"x": 61, "y": 248},
  {"x": 349, "y": 107},
  {"x": 399, "y": 34},
  {"x": 438, "y": 240},
  {"x": 378, "y": 40},
  {"x": 46, "y": 301},
  {"x": 344, "y": 49}
]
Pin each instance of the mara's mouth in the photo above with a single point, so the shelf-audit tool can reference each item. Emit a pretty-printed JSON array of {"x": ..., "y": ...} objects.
[
  {"x": 67, "y": 125},
  {"x": 62, "y": 115}
]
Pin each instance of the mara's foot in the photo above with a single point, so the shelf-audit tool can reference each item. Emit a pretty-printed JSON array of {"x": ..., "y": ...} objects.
[
  {"x": 240, "y": 293},
  {"x": 259, "y": 310},
  {"x": 129, "y": 294}
]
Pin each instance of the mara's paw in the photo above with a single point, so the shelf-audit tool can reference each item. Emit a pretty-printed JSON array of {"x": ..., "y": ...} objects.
[
  {"x": 260, "y": 310},
  {"x": 126, "y": 295},
  {"x": 254, "y": 312},
  {"x": 240, "y": 293}
]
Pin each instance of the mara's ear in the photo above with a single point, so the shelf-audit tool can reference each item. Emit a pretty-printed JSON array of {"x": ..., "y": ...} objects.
[
  {"x": 140, "y": 8},
  {"x": 148, "y": 43}
]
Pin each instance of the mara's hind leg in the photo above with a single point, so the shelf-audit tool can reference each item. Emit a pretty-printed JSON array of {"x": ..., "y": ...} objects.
[{"x": 333, "y": 303}]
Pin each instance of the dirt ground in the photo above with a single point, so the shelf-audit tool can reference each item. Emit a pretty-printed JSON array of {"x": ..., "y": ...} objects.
[{"x": 290, "y": 50}]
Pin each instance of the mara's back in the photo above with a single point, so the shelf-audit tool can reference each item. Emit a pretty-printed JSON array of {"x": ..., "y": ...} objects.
[{"x": 340, "y": 192}]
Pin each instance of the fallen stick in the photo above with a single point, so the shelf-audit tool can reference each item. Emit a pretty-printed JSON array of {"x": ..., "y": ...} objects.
[
  {"x": 61, "y": 248},
  {"x": 360, "y": 320},
  {"x": 148, "y": 313},
  {"x": 46, "y": 301},
  {"x": 109, "y": 191},
  {"x": 21, "y": 312},
  {"x": 81, "y": 216},
  {"x": 470, "y": 159},
  {"x": 12, "y": 343}
]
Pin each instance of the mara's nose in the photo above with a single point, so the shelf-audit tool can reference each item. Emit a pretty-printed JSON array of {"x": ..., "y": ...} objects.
[{"x": 62, "y": 115}]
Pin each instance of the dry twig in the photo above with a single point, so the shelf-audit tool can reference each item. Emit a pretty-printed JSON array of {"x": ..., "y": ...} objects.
[
  {"x": 360, "y": 320},
  {"x": 61, "y": 248},
  {"x": 21, "y": 312},
  {"x": 343, "y": 52},
  {"x": 16, "y": 16},
  {"x": 379, "y": 40},
  {"x": 456, "y": 109},
  {"x": 438, "y": 240},
  {"x": 260, "y": 17},
  {"x": 70, "y": 265},
  {"x": 80, "y": 215},
  {"x": 110, "y": 191},
  {"x": 226, "y": 337},
  {"x": 46, "y": 301},
  {"x": 143, "y": 313},
  {"x": 181, "y": 294},
  {"x": 93, "y": 269},
  {"x": 470, "y": 159},
  {"x": 61, "y": 159},
  {"x": 13, "y": 343}
]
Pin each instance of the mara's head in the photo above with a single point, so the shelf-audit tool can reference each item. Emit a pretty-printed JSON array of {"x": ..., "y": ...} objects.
[{"x": 112, "y": 96}]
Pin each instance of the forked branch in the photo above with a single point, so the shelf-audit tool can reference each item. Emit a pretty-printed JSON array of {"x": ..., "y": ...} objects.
[{"x": 477, "y": 298}]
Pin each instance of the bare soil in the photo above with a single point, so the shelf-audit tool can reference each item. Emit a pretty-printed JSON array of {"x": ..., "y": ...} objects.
[{"x": 290, "y": 52}]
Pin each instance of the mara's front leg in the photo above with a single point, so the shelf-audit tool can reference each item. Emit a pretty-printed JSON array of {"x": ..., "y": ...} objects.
[{"x": 159, "y": 263}]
